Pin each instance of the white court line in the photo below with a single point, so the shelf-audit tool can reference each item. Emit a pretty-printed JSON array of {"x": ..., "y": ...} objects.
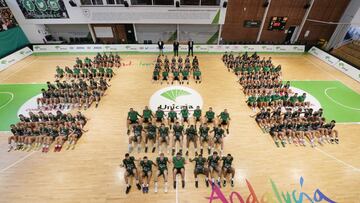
[
  {"x": 176, "y": 190},
  {"x": 21, "y": 68},
  {"x": 349, "y": 123},
  {"x": 12, "y": 98},
  {"x": 16, "y": 162},
  {"x": 338, "y": 160},
  {"x": 336, "y": 102}
]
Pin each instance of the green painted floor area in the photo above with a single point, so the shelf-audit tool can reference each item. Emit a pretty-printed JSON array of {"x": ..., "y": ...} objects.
[
  {"x": 12, "y": 97},
  {"x": 339, "y": 102}
]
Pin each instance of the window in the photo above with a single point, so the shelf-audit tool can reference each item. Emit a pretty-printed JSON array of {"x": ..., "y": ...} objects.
[
  {"x": 190, "y": 2},
  {"x": 210, "y": 2},
  {"x": 163, "y": 2},
  {"x": 141, "y": 2},
  {"x": 112, "y": 2},
  {"x": 91, "y": 2}
]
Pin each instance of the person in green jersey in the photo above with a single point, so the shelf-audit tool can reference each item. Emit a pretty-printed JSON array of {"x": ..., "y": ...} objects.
[
  {"x": 85, "y": 72},
  {"x": 172, "y": 117},
  {"x": 218, "y": 137},
  {"x": 197, "y": 75},
  {"x": 178, "y": 131},
  {"x": 93, "y": 72},
  {"x": 293, "y": 99},
  {"x": 132, "y": 118},
  {"x": 59, "y": 72},
  {"x": 210, "y": 116},
  {"x": 163, "y": 136},
  {"x": 76, "y": 72},
  {"x": 204, "y": 137},
  {"x": 301, "y": 100},
  {"x": 101, "y": 71},
  {"x": 176, "y": 76},
  {"x": 275, "y": 98},
  {"x": 78, "y": 61},
  {"x": 159, "y": 114},
  {"x": 146, "y": 173},
  {"x": 251, "y": 101},
  {"x": 228, "y": 169},
  {"x": 162, "y": 162},
  {"x": 130, "y": 170},
  {"x": 214, "y": 167},
  {"x": 179, "y": 168},
  {"x": 151, "y": 132},
  {"x": 156, "y": 74},
  {"x": 136, "y": 138},
  {"x": 147, "y": 115},
  {"x": 109, "y": 73},
  {"x": 225, "y": 119},
  {"x": 197, "y": 115},
  {"x": 185, "y": 76},
  {"x": 267, "y": 99},
  {"x": 184, "y": 115},
  {"x": 87, "y": 61},
  {"x": 165, "y": 76},
  {"x": 191, "y": 136},
  {"x": 200, "y": 168}
]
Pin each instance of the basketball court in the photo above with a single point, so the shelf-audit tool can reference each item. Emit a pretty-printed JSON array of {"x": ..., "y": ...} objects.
[{"x": 91, "y": 172}]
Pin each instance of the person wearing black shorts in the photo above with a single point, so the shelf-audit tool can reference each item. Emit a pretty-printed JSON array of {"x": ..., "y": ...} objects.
[
  {"x": 228, "y": 169},
  {"x": 200, "y": 168},
  {"x": 151, "y": 132},
  {"x": 162, "y": 162},
  {"x": 130, "y": 170},
  {"x": 214, "y": 166},
  {"x": 178, "y": 131},
  {"x": 179, "y": 168}
]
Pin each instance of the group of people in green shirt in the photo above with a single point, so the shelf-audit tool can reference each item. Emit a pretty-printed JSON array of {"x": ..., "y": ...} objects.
[
  {"x": 100, "y": 67},
  {"x": 210, "y": 167},
  {"x": 155, "y": 128},
  {"x": 176, "y": 70}
]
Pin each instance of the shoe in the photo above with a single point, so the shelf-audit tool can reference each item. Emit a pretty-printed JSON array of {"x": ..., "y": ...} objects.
[
  {"x": 146, "y": 148},
  {"x": 43, "y": 150},
  {"x": 128, "y": 189},
  {"x": 196, "y": 153},
  {"x": 207, "y": 183},
  {"x": 153, "y": 150},
  {"x": 174, "y": 184},
  {"x": 224, "y": 183},
  {"x": 187, "y": 153},
  {"x": 128, "y": 132},
  {"x": 196, "y": 184},
  {"x": 173, "y": 152},
  {"x": 59, "y": 148},
  {"x": 165, "y": 189},
  {"x": 55, "y": 149},
  {"x": 96, "y": 105},
  {"x": 144, "y": 190},
  {"x": 201, "y": 151},
  {"x": 180, "y": 151},
  {"x": 209, "y": 151},
  {"x": 155, "y": 189},
  {"x": 138, "y": 186},
  {"x": 10, "y": 148},
  {"x": 219, "y": 184},
  {"x": 232, "y": 183},
  {"x": 227, "y": 131},
  {"x": 183, "y": 184}
]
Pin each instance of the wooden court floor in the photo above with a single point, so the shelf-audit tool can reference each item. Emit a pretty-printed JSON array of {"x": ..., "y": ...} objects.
[{"x": 91, "y": 172}]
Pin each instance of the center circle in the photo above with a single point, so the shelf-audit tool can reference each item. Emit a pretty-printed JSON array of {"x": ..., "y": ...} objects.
[{"x": 175, "y": 97}]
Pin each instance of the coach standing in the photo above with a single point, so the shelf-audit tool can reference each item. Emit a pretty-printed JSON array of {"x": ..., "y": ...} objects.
[
  {"x": 191, "y": 47},
  {"x": 176, "y": 48},
  {"x": 161, "y": 47}
]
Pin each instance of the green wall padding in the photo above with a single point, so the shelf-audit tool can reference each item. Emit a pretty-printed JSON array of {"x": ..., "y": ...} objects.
[{"x": 11, "y": 40}]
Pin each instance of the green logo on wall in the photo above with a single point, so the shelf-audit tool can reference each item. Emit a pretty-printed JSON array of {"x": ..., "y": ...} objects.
[
  {"x": 28, "y": 5},
  {"x": 41, "y": 5},
  {"x": 54, "y": 5}
]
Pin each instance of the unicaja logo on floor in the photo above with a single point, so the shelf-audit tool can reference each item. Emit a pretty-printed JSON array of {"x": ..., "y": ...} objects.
[{"x": 175, "y": 97}]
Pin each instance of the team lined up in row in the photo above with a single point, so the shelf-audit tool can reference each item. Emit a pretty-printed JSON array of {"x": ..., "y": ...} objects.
[
  {"x": 210, "y": 167},
  {"x": 41, "y": 130},
  {"x": 156, "y": 129},
  {"x": 177, "y": 70},
  {"x": 101, "y": 66},
  {"x": 288, "y": 117}
]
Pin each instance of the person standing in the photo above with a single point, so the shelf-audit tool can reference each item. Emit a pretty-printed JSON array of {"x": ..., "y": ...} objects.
[
  {"x": 176, "y": 48},
  {"x": 191, "y": 47},
  {"x": 161, "y": 47}
]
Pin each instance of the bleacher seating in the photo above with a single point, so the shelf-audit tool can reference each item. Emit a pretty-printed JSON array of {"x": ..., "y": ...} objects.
[{"x": 349, "y": 53}]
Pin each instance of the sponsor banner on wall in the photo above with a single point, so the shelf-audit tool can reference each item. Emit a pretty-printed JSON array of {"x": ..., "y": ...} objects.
[
  {"x": 167, "y": 48},
  {"x": 348, "y": 70},
  {"x": 14, "y": 57},
  {"x": 327, "y": 58},
  {"x": 336, "y": 63}
]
